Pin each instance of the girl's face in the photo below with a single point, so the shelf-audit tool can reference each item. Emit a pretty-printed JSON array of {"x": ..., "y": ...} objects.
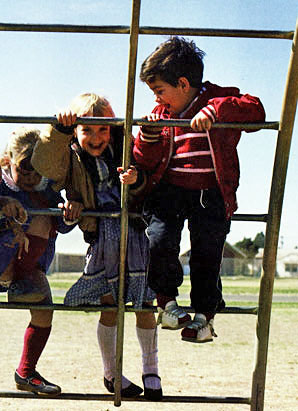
[
  {"x": 24, "y": 175},
  {"x": 93, "y": 139}
]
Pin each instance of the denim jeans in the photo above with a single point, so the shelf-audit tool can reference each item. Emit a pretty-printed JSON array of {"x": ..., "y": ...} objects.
[{"x": 166, "y": 210}]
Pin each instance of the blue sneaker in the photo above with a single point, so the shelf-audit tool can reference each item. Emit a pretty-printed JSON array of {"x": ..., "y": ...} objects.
[
  {"x": 23, "y": 291},
  {"x": 37, "y": 384}
]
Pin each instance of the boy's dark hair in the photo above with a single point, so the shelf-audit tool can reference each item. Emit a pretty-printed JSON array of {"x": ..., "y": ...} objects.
[{"x": 173, "y": 59}]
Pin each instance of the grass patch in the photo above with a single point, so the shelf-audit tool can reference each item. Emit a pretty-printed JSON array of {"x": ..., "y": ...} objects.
[{"x": 246, "y": 285}]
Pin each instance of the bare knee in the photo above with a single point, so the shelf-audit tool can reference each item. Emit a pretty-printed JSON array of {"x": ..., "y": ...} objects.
[
  {"x": 108, "y": 318},
  {"x": 41, "y": 318},
  {"x": 146, "y": 320},
  {"x": 40, "y": 226}
]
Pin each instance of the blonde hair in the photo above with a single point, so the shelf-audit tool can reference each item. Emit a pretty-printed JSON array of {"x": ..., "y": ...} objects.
[
  {"x": 92, "y": 103},
  {"x": 20, "y": 145}
]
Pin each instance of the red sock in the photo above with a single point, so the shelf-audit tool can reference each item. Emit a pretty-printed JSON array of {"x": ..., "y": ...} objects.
[
  {"x": 35, "y": 339},
  {"x": 162, "y": 300},
  {"x": 209, "y": 316},
  {"x": 28, "y": 261}
]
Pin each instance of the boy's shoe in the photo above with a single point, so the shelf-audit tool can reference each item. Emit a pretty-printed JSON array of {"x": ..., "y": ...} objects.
[
  {"x": 37, "y": 384},
  {"x": 172, "y": 317},
  {"x": 131, "y": 391},
  {"x": 23, "y": 291},
  {"x": 200, "y": 330}
]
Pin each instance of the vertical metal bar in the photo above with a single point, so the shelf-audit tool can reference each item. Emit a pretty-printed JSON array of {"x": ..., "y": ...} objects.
[
  {"x": 134, "y": 32},
  {"x": 272, "y": 231}
]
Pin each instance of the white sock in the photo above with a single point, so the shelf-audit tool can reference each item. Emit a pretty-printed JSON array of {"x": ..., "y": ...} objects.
[
  {"x": 148, "y": 343},
  {"x": 106, "y": 337}
]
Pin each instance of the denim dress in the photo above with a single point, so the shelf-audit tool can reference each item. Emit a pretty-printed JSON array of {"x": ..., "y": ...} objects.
[
  {"x": 8, "y": 247},
  {"x": 101, "y": 272}
]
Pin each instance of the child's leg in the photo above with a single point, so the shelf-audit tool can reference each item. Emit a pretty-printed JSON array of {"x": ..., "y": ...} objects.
[
  {"x": 106, "y": 336},
  {"x": 7, "y": 276},
  {"x": 38, "y": 234},
  {"x": 208, "y": 229},
  {"x": 35, "y": 340},
  {"x": 147, "y": 335}
]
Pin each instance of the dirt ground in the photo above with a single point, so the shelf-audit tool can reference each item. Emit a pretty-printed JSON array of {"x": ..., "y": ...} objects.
[{"x": 222, "y": 368}]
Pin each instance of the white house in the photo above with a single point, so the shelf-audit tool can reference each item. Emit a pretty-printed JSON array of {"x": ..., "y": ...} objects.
[{"x": 286, "y": 262}]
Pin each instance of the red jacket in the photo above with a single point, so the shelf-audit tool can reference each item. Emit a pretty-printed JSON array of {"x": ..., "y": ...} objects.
[{"x": 229, "y": 106}]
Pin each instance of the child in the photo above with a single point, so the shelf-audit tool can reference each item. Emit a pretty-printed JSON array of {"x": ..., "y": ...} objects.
[
  {"x": 27, "y": 246},
  {"x": 194, "y": 176},
  {"x": 86, "y": 161}
]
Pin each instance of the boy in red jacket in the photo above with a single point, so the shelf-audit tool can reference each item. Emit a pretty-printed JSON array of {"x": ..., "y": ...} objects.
[{"x": 194, "y": 175}]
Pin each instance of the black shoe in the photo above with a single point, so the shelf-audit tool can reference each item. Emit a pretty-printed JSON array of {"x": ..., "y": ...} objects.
[
  {"x": 132, "y": 390},
  {"x": 37, "y": 384},
  {"x": 150, "y": 393}
]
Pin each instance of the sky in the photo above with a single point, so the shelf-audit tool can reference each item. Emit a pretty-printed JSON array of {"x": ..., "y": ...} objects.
[{"x": 41, "y": 72}]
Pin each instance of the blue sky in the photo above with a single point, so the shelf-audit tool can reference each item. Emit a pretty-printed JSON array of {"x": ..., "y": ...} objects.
[{"x": 41, "y": 72}]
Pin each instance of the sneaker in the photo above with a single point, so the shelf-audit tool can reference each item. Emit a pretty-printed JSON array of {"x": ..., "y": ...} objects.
[
  {"x": 23, "y": 291},
  {"x": 172, "y": 317},
  {"x": 37, "y": 384},
  {"x": 4, "y": 285},
  {"x": 200, "y": 330}
]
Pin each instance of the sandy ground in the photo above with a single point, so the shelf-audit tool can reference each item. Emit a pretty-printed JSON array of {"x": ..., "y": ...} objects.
[{"x": 222, "y": 368}]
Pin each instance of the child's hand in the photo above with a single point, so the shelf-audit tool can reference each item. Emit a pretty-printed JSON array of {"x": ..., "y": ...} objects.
[
  {"x": 71, "y": 210},
  {"x": 66, "y": 118},
  {"x": 129, "y": 176},
  {"x": 10, "y": 207},
  {"x": 201, "y": 122},
  {"x": 153, "y": 130}
]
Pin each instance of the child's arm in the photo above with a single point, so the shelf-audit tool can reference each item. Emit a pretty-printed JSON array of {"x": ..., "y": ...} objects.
[
  {"x": 51, "y": 156},
  {"x": 129, "y": 176},
  {"x": 71, "y": 211},
  {"x": 242, "y": 109},
  {"x": 148, "y": 144},
  {"x": 10, "y": 207}
]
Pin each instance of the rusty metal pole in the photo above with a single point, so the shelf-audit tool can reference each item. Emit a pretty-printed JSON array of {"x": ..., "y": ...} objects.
[
  {"x": 272, "y": 231},
  {"x": 134, "y": 33}
]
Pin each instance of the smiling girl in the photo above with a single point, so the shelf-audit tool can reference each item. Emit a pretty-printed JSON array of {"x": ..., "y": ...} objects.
[{"x": 85, "y": 160}]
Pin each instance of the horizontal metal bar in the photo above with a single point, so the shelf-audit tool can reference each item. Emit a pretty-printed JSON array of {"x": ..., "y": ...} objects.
[
  {"x": 186, "y": 123},
  {"x": 112, "y": 121},
  {"x": 136, "y": 122},
  {"x": 58, "y": 212},
  {"x": 97, "y": 308},
  {"x": 64, "y": 28},
  {"x": 110, "y": 397},
  {"x": 250, "y": 217},
  {"x": 204, "y": 32},
  {"x": 183, "y": 31}
]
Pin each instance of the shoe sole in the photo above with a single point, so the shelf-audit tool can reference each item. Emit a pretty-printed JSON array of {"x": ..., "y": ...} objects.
[
  {"x": 194, "y": 340},
  {"x": 27, "y": 388},
  {"x": 178, "y": 327}
]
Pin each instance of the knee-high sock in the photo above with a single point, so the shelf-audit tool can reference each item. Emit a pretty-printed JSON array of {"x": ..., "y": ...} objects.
[
  {"x": 148, "y": 343},
  {"x": 35, "y": 339},
  {"x": 106, "y": 337}
]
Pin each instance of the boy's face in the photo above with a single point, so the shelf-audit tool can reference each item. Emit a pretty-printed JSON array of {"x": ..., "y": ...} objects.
[
  {"x": 93, "y": 139},
  {"x": 175, "y": 99},
  {"x": 24, "y": 175}
]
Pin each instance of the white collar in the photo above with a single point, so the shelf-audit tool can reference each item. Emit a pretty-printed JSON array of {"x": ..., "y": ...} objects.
[{"x": 8, "y": 180}]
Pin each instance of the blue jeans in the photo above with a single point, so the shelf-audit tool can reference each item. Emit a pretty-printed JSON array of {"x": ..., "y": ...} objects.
[{"x": 166, "y": 210}]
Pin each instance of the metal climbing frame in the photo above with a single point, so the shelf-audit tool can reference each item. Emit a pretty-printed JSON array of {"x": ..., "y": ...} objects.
[{"x": 272, "y": 218}]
